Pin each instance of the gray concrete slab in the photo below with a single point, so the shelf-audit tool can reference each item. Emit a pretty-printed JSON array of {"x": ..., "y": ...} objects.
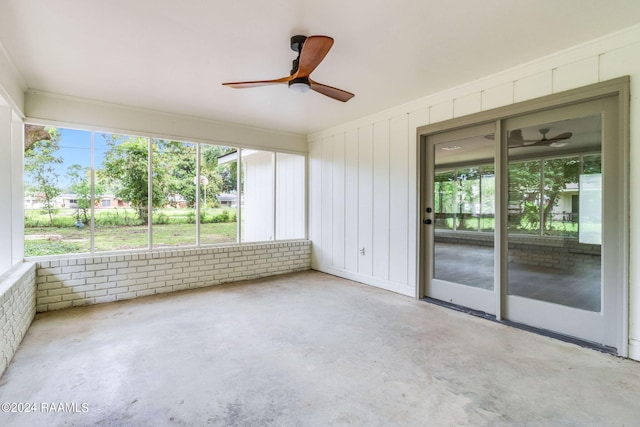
[{"x": 306, "y": 349}]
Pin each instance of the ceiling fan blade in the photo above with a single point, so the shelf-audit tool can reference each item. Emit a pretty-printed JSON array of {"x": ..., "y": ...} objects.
[
  {"x": 314, "y": 50},
  {"x": 562, "y": 136},
  {"x": 554, "y": 142},
  {"x": 257, "y": 83},
  {"x": 331, "y": 92}
]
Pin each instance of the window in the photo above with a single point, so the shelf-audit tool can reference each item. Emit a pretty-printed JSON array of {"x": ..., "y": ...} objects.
[
  {"x": 175, "y": 173},
  {"x": 58, "y": 179},
  {"x": 257, "y": 188},
  {"x": 465, "y": 199},
  {"x": 290, "y": 196},
  {"x": 122, "y": 174},
  {"x": 545, "y": 195},
  {"x": 219, "y": 194},
  {"x": 89, "y": 192}
]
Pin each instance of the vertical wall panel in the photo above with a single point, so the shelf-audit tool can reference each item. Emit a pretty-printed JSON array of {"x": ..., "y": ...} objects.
[
  {"x": 365, "y": 199},
  {"x": 327, "y": 201},
  {"x": 497, "y": 96},
  {"x": 467, "y": 104},
  {"x": 5, "y": 187},
  {"x": 315, "y": 201},
  {"x": 399, "y": 199},
  {"x": 338, "y": 200},
  {"x": 576, "y": 74},
  {"x": 351, "y": 201},
  {"x": 441, "y": 112},
  {"x": 381, "y": 199},
  {"x": 17, "y": 200},
  {"x": 416, "y": 119},
  {"x": 533, "y": 86}
]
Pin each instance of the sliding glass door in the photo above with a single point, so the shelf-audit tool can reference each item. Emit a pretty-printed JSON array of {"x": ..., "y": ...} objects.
[{"x": 522, "y": 218}]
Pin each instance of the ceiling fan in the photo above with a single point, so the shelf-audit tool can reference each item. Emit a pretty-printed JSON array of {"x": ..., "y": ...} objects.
[
  {"x": 311, "y": 51},
  {"x": 516, "y": 139}
]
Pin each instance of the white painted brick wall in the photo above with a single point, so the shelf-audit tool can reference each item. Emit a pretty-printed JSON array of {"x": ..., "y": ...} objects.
[
  {"x": 17, "y": 309},
  {"x": 65, "y": 283}
]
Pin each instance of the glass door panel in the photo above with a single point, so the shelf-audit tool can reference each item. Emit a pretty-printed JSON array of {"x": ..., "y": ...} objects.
[
  {"x": 564, "y": 264},
  {"x": 554, "y": 212},
  {"x": 460, "y": 215}
]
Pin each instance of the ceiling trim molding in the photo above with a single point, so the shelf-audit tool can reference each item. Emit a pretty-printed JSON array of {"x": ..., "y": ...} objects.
[{"x": 46, "y": 107}]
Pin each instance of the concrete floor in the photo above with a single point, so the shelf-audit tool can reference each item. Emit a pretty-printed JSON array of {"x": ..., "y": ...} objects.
[{"x": 307, "y": 349}]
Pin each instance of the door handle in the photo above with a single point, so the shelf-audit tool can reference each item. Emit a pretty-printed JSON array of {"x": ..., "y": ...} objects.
[{"x": 426, "y": 221}]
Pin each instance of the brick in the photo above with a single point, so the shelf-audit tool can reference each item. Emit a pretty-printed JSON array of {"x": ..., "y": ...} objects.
[
  {"x": 50, "y": 299},
  {"x": 83, "y": 288},
  {"x": 116, "y": 265},
  {"x": 96, "y": 280},
  {"x": 107, "y": 298},
  {"x": 83, "y": 274},
  {"x": 96, "y": 293},
  {"x": 146, "y": 292},
  {"x": 50, "y": 285},
  {"x": 59, "y": 291},
  {"x": 72, "y": 269},
  {"x": 126, "y": 295},
  {"x": 60, "y": 305},
  {"x": 105, "y": 285}
]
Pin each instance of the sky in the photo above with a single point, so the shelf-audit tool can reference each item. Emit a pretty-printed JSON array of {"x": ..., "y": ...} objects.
[{"x": 75, "y": 148}]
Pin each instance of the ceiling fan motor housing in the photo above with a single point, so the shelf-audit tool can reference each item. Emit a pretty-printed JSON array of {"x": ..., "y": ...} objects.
[
  {"x": 297, "y": 42},
  {"x": 296, "y": 45}
]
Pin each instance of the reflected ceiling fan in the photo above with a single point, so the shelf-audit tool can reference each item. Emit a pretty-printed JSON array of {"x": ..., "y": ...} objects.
[
  {"x": 516, "y": 139},
  {"x": 311, "y": 51}
]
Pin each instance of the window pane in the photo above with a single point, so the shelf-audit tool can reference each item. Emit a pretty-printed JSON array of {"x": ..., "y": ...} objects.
[
  {"x": 524, "y": 197},
  {"x": 468, "y": 199},
  {"x": 122, "y": 174},
  {"x": 487, "y": 198},
  {"x": 57, "y": 166},
  {"x": 561, "y": 263},
  {"x": 290, "y": 196},
  {"x": 445, "y": 195},
  {"x": 561, "y": 178},
  {"x": 257, "y": 195},
  {"x": 458, "y": 194},
  {"x": 174, "y": 176},
  {"x": 218, "y": 194}
]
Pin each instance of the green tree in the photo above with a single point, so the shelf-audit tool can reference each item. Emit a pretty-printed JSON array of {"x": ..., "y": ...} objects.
[
  {"x": 81, "y": 186},
  {"x": 227, "y": 172},
  {"x": 179, "y": 160},
  {"x": 557, "y": 174},
  {"x": 125, "y": 167},
  {"x": 525, "y": 188},
  {"x": 40, "y": 162}
]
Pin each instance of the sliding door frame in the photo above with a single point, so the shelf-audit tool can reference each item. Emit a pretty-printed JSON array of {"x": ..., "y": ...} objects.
[{"x": 617, "y": 88}]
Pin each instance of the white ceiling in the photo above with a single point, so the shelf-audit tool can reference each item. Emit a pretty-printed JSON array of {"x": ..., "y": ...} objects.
[{"x": 171, "y": 56}]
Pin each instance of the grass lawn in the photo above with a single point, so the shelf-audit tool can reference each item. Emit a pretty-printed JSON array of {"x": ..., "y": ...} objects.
[{"x": 63, "y": 240}]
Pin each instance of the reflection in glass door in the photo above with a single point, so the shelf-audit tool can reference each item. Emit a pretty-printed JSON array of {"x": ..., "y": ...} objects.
[
  {"x": 461, "y": 210},
  {"x": 554, "y": 212}
]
